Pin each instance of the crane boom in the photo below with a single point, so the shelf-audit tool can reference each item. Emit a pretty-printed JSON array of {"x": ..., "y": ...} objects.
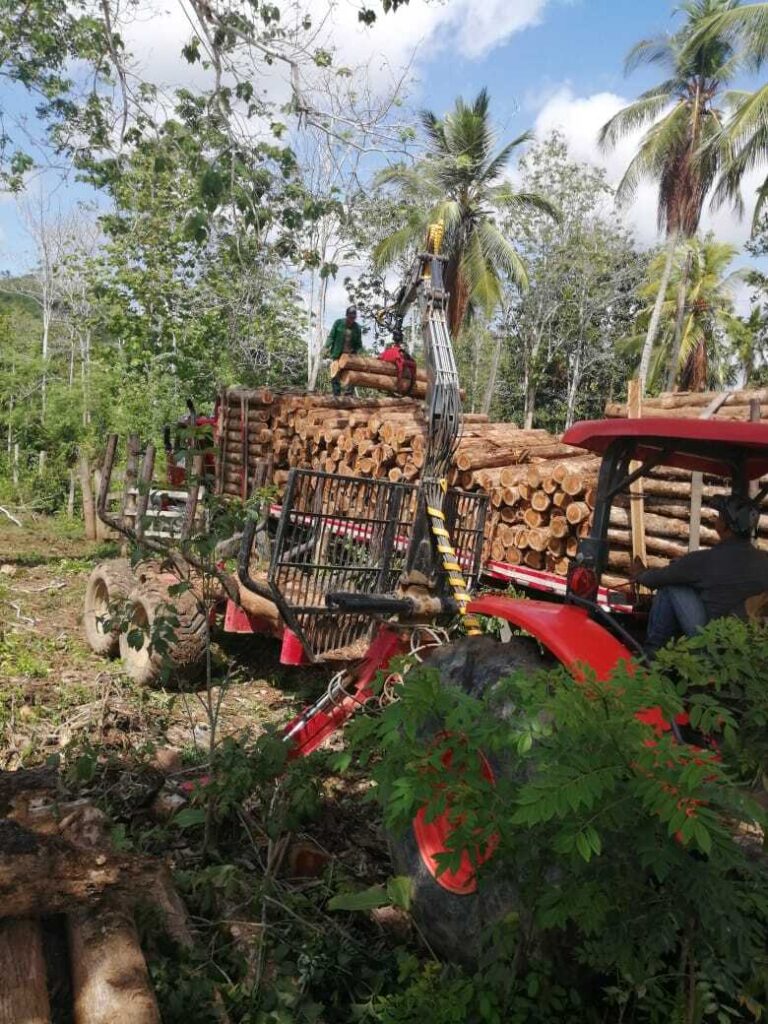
[{"x": 425, "y": 284}]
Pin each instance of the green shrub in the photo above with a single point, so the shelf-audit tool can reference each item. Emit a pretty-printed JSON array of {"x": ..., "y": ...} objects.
[{"x": 621, "y": 839}]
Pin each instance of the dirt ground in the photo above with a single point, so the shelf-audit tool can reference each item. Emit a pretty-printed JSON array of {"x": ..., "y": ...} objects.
[{"x": 55, "y": 690}]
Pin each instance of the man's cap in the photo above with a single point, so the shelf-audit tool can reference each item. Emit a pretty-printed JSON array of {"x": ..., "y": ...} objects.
[
  {"x": 739, "y": 514},
  {"x": 351, "y": 310}
]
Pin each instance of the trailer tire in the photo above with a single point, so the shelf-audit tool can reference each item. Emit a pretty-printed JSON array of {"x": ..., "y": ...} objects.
[
  {"x": 455, "y": 925},
  {"x": 183, "y": 661},
  {"x": 109, "y": 583}
]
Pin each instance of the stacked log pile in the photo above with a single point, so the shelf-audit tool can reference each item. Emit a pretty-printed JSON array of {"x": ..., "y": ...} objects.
[
  {"x": 541, "y": 491},
  {"x": 692, "y": 404},
  {"x": 667, "y": 501}
]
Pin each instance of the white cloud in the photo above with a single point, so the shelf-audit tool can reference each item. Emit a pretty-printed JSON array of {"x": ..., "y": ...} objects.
[
  {"x": 465, "y": 28},
  {"x": 580, "y": 118}
]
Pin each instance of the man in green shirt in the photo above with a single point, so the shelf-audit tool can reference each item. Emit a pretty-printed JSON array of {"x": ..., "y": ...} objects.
[{"x": 344, "y": 337}]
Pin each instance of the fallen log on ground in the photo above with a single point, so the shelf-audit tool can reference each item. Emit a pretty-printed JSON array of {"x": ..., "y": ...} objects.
[{"x": 23, "y": 982}]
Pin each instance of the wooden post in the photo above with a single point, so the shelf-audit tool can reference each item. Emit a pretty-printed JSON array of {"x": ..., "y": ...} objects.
[
  {"x": 697, "y": 479},
  {"x": 100, "y": 528},
  {"x": 71, "y": 495},
  {"x": 636, "y": 502},
  {"x": 89, "y": 509},
  {"x": 195, "y": 467},
  {"x": 23, "y": 986},
  {"x": 754, "y": 417},
  {"x": 145, "y": 483}
]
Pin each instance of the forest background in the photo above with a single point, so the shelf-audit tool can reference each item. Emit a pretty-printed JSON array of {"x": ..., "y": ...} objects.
[{"x": 192, "y": 194}]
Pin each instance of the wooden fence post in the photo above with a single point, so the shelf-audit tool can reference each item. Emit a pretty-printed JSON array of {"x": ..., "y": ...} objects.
[{"x": 636, "y": 501}]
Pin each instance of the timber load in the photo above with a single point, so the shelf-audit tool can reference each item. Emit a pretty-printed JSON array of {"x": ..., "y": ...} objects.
[
  {"x": 359, "y": 371},
  {"x": 691, "y": 405},
  {"x": 669, "y": 493},
  {"x": 540, "y": 490}
]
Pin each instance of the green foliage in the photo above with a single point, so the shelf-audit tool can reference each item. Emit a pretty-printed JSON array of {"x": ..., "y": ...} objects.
[
  {"x": 560, "y": 356},
  {"x": 705, "y": 358},
  {"x": 460, "y": 182},
  {"x": 620, "y": 839}
]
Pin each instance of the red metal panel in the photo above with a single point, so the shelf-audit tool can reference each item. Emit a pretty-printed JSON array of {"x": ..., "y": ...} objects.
[
  {"x": 565, "y": 630},
  {"x": 312, "y": 731},
  {"x": 698, "y": 441},
  {"x": 236, "y": 620}
]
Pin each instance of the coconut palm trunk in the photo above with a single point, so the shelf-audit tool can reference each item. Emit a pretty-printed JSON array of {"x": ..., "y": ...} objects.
[
  {"x": 682, "y": 292},
  {"x": 655, "y": 321}
]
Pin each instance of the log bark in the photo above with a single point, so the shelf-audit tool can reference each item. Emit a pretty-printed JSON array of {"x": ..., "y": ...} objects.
[
  {"x": 109, "y": 974},
  {"x": 367, "y": 364},
  {"x": 89, "y": 506},
  {"x": 23, "y": 984},
  {"x": 42, "y": 874}
]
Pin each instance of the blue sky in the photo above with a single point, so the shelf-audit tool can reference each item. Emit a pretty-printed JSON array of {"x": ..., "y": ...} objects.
[{"x": 547, "y": 63}]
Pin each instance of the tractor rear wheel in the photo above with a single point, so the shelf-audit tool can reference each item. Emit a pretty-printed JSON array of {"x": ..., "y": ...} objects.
[
  {"x": 109, "y": 583},
  {"x": 174, "y": 655},
  {"x": 455, "y": 922}
]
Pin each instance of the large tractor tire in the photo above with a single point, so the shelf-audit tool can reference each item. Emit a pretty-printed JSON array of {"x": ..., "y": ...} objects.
[
  {"x": 183, "y": 660},
  {"x": 454, "y": 924},
  {"x": 110, "y": 583}
]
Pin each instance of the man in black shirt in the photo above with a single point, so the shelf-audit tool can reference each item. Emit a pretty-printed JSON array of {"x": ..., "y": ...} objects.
[{"x": 709, "y": 584}]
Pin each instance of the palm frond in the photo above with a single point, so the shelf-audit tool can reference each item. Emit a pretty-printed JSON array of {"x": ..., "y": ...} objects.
[
  {"x": 480, "y": 276},
  {"x": 746, "y": 24},
  {"x": 497, "y": 164},
  {"x": 507, "y": 198},
  {"x": 631, "y": 118},
  {"x": 658, "y": 50},
  {"x": 434, "y": 129},
  {"x": 389, "y": 249},
  {"x": 499, "y": 252}
]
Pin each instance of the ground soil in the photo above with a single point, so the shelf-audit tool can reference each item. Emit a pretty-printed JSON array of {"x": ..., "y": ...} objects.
[
  {"x": 52, "y": 681},
  {"x": 57, "y": 696}
]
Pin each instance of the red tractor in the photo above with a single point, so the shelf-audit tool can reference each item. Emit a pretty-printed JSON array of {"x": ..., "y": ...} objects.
[{"x": 361, "y": 571}]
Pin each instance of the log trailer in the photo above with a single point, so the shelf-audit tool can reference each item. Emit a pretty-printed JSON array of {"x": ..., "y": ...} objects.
[{"x": 361, "y": 571}]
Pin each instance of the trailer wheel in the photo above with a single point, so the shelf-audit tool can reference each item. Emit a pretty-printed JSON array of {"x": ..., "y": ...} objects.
[
  {"x": 184, "y": 657},
  {"x": 453, "y": 922},
  {"x": 109, "y": 583}
]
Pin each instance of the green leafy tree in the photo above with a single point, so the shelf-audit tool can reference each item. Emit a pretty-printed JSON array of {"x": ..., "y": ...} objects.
[
  {"x": 710, "y": 327},
  {"x": 677, "y": 151},
  {"x": 461, "y": 184},
  {"x": 559, "y": 339},
  {"x": 618, "y": 840}
]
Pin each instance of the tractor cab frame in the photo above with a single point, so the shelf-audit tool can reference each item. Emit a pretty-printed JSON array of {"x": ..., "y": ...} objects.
[{"x": 632, "y": 449}]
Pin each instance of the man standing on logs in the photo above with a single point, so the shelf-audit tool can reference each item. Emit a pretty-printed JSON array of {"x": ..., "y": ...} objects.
[
  {"x": 344, "y": 338},
  {"x": 706, "y": 585}
]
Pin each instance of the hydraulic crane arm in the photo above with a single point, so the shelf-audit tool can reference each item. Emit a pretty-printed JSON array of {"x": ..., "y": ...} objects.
[
  {"x": 432, "y": 545},
  {"x": 425, "y": 284}
]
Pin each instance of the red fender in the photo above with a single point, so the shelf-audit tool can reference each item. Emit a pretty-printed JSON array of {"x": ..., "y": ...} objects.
[{"x": 565, "y": 630}]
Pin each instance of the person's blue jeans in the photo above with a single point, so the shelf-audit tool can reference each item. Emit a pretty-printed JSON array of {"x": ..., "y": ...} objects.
[
  {"x": 675, "y": 611},
  {"x": 336, "y": 387}
]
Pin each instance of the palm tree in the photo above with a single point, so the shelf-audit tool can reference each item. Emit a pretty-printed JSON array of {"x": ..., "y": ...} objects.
[
  {"x": 684, "y": 120},
  {"x": 698, "y": 349},
  {"x": 745, "y": 139},
  {"x": 461, "y": 183}
]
